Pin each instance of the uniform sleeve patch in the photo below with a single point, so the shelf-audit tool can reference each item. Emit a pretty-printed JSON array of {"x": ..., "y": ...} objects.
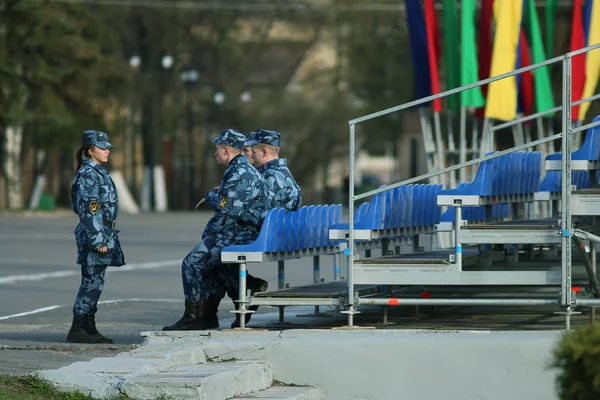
[
  {"x": 223, "y": 202},
  {"x": 93, "y": 206}
]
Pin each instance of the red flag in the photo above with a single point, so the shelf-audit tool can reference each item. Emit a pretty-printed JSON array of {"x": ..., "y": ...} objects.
[
  {"x": 578, "y": 62},
  {"x": 526, "y": 89},
  {"x": 433, "y": 51},
  {"x": 484, "y": 48}
]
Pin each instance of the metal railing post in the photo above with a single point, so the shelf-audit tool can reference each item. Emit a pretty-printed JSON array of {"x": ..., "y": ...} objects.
[
  {"x": 350, "y": 248},
  {"x": 566, "y": 299}
]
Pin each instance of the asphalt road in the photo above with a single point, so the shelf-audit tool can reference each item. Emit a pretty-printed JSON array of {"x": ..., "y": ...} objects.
[{"x": 39, "y": 280}]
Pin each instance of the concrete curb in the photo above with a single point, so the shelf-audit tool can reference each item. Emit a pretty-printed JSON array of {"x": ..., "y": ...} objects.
[{"x": 213, "y": 381}]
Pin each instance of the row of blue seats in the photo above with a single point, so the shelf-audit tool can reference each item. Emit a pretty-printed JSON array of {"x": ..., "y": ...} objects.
[
  {"x": 511, "y": 174},
  {"x": 284, "y": 230},
  {"x": 401, "y": 207}
]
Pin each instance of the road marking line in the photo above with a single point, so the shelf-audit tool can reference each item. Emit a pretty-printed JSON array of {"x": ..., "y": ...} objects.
[
  {"x": 140, "y": 300},
  {"x": 11, "y": 279},
  {"x": 39, "y": 310}
]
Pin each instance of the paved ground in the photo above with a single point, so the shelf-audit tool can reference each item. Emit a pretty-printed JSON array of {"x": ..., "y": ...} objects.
[{"x": 39, "y": 280}]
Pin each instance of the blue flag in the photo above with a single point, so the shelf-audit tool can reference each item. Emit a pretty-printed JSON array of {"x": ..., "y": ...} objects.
[{"x": 418, "y": 48}]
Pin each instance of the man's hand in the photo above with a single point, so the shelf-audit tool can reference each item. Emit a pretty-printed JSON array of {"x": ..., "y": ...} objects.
[
  {"x": 216, "y": 188},
  {"x": 200, "y": 203},
  {"x": 102, "y": 249}
]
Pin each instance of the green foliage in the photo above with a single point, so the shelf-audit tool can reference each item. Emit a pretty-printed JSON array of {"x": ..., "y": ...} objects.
[
  {"x": 577, "y": 356},
  {"x": 58, "y": 68},
  {"x": 34, "y": 388}
]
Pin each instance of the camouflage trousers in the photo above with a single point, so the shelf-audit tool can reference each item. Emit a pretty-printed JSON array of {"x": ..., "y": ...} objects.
[
  {"x": 202, "y": 273},
  {"x": 92, "y": 283}
]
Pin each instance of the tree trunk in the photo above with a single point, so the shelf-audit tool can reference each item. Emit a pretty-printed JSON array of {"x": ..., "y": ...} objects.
[{"x": 12, "y": 166}]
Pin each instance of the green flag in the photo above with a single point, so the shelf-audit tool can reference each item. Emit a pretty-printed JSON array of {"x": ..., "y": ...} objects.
[
  {"x": 550, "y": 22},
  {"x": 468, "y": 65},
  {"x": 451, "y": 56},
  {"x": 541, "y": 77}
]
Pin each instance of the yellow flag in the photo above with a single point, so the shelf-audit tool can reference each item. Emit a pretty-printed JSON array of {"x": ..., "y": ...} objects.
[
  {"x": 592, "y": 60},
  {"x": 502, "y": 95}
]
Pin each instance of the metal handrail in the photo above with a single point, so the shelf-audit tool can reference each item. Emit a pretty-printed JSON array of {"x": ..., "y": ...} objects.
[
  {"x": 455, "y": 90},
  {"x": 566, "y": 300},
  {"x": 541, "y": 113}
]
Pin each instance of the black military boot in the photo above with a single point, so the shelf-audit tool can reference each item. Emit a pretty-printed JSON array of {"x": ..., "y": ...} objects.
[
  {"x": 89, "y": 324},
  {"x": 255, "y": 285},
  {"x": 211, "y": 308},
  {"x": 192, "y": 319},
  {"x": 78, "y": 334}
]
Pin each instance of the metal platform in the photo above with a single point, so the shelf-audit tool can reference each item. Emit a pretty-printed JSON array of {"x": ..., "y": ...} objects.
[
  {"x": 576, "y": 165},
  {"x": 585, "y": 202},
  {"x": 544, "y": 231},
  {"x": 322, "y": 294}
]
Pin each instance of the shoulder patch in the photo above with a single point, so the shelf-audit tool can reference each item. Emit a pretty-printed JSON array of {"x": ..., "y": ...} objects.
[
  {"x": 93, "y": 206},
  {"x": 223, "y": 202}
]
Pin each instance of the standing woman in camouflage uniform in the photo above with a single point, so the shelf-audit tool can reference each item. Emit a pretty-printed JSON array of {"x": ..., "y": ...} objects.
[{"x": 94, "y": 199}]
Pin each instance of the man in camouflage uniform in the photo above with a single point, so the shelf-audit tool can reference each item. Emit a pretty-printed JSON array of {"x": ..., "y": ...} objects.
[
  {"x": 248, "y": 149},
  {"x": 284, "y": 192},
  {"x": 94, "y": 199},
  {"x": 240, "y": 205}
]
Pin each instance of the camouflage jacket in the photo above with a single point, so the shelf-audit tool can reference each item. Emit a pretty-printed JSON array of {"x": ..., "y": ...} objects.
[
  {"x": 284, "y": 192},
  {"x": 240, "y": 204},
  {"x": 94, "y": 199}
]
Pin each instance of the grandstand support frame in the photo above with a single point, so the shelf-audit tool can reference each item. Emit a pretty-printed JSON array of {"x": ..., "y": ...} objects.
[{"x": 567, "y": 300}]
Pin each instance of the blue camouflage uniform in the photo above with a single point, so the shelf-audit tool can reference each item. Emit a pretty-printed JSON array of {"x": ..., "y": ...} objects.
[
  {"x": 240, "y": 204},
  {"x": 94, "y": 199},
  {"x": 284, "y": 192}
]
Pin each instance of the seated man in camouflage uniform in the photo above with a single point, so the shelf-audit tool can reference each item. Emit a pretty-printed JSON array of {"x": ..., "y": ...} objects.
[
  {"x": 241, "y": 204},
  {"x": 284, "y": 192}
]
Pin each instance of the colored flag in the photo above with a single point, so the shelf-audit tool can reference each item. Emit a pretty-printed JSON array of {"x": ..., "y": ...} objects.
[
  {"x": 526, "y": 78},
  {"x": 550, "y": 23},
  {"x": 484, "y": 49},
  {"x": 544, "y": 99},
  {"x": 587, "y": 13},
  {"x": 468, "y": 65},
  {"x": 418, "y": 48},
  {"x": 502, "y": 94},
  {"x": 451, "y": 54},
  {"x": 432, "y": 51},
  {"x": 592, "y": 61},
  {"x": 578, "y": 61}
]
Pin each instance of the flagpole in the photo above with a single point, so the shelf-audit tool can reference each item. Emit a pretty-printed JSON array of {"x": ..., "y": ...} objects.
[
  {"x": 427, "y": 143},
  {"x": 551, "y": 147},
  {"x": 543, "y": 148},
  {"x": 439, "y": 143},
  {"x": 474, "y": 144},
  {"x": 528, "y": 135},
  {"x": 451, "y": 147},
  {"x": 484, "y": 137},
  {"x": 463, "y": 142}
]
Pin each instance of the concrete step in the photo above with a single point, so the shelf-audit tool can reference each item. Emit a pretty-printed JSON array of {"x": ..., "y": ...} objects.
[
  {"x": 101, "y": 377},
  {"x": 170, "y": 354},
  {"x": 212, "y": 381},
  {"x": 286, "y": 393}
]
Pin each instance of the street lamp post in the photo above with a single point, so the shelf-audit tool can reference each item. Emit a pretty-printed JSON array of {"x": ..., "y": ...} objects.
[{"x": 189, "y": 79}]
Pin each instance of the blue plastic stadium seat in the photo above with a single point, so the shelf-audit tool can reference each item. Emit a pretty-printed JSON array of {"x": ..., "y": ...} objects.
[
  {"x": 513, "y": 173},
  {"x": 589, "y": 150}
]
